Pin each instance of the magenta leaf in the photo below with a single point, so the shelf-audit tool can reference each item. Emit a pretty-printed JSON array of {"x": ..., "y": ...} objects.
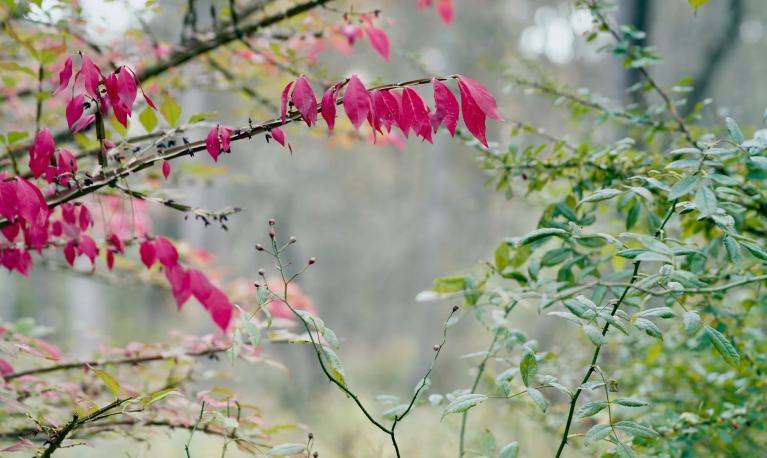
[
  {"x": 481, "y": 96},
  {"x": 304, "y": 100},
  {"x": 379, "y": 40},
  {"x": 165, "y": 169},
  {"x": 41, "y": 152},
  {"x": 473, "y": 116},
  {"x": 284, "y": 102},
  {"x": 445, "y": 108},
  {"x": 213, "y": 144},
  {"x": 445, "y": 10},
  {"x": 148, "y": 253},
  {"x": 166, "y": 252},
  {"x": 329, "y": 107},
  {"x": 356, "y": 102},
  {"x": 65, "y": 75}
]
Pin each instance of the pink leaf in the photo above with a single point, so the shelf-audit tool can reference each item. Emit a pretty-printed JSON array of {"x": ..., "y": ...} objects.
[
  {"x": 213, "y": 144},
  {"x": 5, "y": 369},
  {"x": 11, "y": 231},
  {"x": 148, "y": 253},
  {"x": 421, "y": 124},
  {"x": 445, "y": 108},
  {"x": 329, "y": 107},
  {"x": 278, "y": 135},
  {"x": 482, "y": 97},
  {"x": 166, "y": 252},
  {"x": 226, "y": 138},
  {"x": 41, "y": 152},
  {"x": 200, "y": 286},
  {"x": 69, "y": 252},
  {"x": 379, "y": 41},
  {"x": 85, "y": 122},
  {"x": 473, "y": 116},
  {"x": 284, "y": 102},
  {"x": 445, "y": 10},
  {"x": 165, "y": 169},
  {"x": 110, "y": 259},
  {"x": 66, "y": 165},
  {"x": 85, "y": 219},
  {"x": 220, "y": 308},
  {"x": 31, "y": 203},
  {"x": 65, "y": 75},
  {"x": 356, "y": 102},
  {"x": 75, "y": 109},
  {"x": 304, "y": 100},
  {"x": 178, "y": 278},
  {"x": 9, "y": 202},
  {"x": 87, "y": 246},
  {"x": 138, "y": 81},
  {"x": 92, "y": 76},
  {"x": 116, "y": 242}
]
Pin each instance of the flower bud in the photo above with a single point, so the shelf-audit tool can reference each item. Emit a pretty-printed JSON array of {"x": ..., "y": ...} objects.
[
  {"x": 261, "y": 272},
  {"x": 293, "y": 239},
  {"x": 272, "y": 221},
  {"x": 312, "y": 260},
  {"x": 435, "y": 348},
  {"x": 259, "y": 247},
  {"x": 455, "y": 308}
]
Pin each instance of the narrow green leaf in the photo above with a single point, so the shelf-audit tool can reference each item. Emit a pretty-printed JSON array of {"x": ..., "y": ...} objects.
[
  {"x": 602, "y": 194},
  {"x": 502, "y": 256},
  {"x": 636, "y": 429},
  {"x": 510, "y": 450},
  {"x": 723, "y": 346},
  {"x": 692, "y": 323},
  {"x": 683, "y": 187},
  {"x": 538, "y": 399},
  {"x": 109, "y": 381},
  {"x": 733, "y": 129},
  {"x": 648, "y": 327},
  {"x": 705, "y": 200},
  {"x": 596, "y": 433},
  {"x": 528, "y": 367},
  {"x": 630, "y": 402},
  {"x": 286, "y": 450},
  {"x": 464, "y": 402},
  {"x": 591, "y": 408},
  {"x": 595, "y": 335}
]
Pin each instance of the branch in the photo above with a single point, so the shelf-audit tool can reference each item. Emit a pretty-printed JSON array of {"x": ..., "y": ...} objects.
[
  {"x": 110, "y": 177},
  {"x": 116, "y": 362}
]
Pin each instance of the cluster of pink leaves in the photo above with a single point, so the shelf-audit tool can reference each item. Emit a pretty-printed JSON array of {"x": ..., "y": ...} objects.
[
  {"x": 187, "y": 282},
  {"x": 378, "y": 38},
  {"x": 445, "y": 8},
  {"x": 23, "y": 205},
  {"x": 116, "y": 91},
  {"x": 403, "y": 108}
]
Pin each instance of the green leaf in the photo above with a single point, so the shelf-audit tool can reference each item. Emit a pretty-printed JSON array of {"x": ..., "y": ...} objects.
[
  {"x": 683, "y": 187},
  {"x": 334, "y": 365},
  {"x": 253, "y": 333},
  {"x": 651, "y": 256},
  {"x": 487, "y": 443},
  {"x": 636, "y": 429},
  {"x": 734, "y": 130},
  {"x": 148, "y": 119},
  {"x": 154, "y": 397},
  {"x": 202, "y": 117},
  {"x": 395, "y": 412},
  {"x": 170, "y": 110},
  {"x": 755, "y": 251},
  {"x": 692, "y": 323},
  {"x": 464, "y": 402},
  {"x": 648, "y": 327},
  {"x": 630, "y": 402},
  {"x": 596, "y": 433},
  {"x": 602, "y": 194},
  {"x": 449, "y": 284},
  {"x": 15, "y": 136},
  {"x": 723, "y": 346},
  {"x": 528, "y": 367},
  {"x": 502, "y": 256},
  {"x": 536, "y": 235},
  {"x": 510, "y": 450},
  {"x": 109, "y": 381},
  {"x": 705, "y": 200},
  {"x": 660, "y": 312},
  {"x": 555, "y": 256},
  {"x": 591, "y": 408},
  {"x": 595, "y": 335},
  {"x": 733, "y": 249},
  {"x": 538, "y": 399},
  {"x": 286, "y": 450}
]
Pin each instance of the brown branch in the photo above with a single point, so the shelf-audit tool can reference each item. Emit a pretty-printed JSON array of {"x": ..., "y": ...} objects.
[{"x": 116, "y": 362}]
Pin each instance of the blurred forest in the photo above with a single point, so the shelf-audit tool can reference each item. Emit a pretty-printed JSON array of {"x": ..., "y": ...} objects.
[{"x": 383, "y": 221}]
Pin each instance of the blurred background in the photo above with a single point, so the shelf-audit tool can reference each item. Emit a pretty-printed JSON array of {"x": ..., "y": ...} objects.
[{"x": 384, "y": 221}]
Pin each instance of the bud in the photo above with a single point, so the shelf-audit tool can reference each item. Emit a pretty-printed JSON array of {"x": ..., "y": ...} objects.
[
  {"x": 272, "y": 234},
  {"x": 315, "y": 454},
  {"x": 256, "y": 284},
  {"x": 312, "y": 260},
  {"x": 293, "y": 239},
  {"x": 455, "y": 308},
  {"x": 272, "y": 222},
  {"x": 435, "y": 348},
  {"x": 311, "y": 436},
  {"x": 261, "y": 272},
  {"x": 259, "y": 247}
]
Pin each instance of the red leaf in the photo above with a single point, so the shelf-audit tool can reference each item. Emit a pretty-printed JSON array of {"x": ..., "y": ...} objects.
[
  {"x": 11, "y": 231},
  {"x": 116, "y": 242},
  {"x": 138, "y": 81},
  {"x": 75, "y": 109},
  {"x": 278, "y": 135},
  {"x": 64, "y": 75},
  {"x": 5, "y": 369},
  {"x": 69, "y": 252},
  {"x": 220, "y": 308},
  {"x": 421, "y": 125},
  {"x": 445, "y": 108},
  {"x": 304, "y": 100},
  {"x": 41, "y": 152},
  {"x": 148, "y": 253},
  {"x": 165, "y": 169},
  {"x": 166, "y": 252},
  {"x": 200, "y": 286},
  {"x": 445, "y": 10},
  {"x": 31, "y": 203},
  {"x": 66, "y": 165},
  {"x": 110, "y": 259},
  {"x": 85, "y": 218},
  {"x": 226, "y": 135},
  {"x": 284, "y": 102},
  {"x": 329, "y": 107},
  {"x": 473, "y": 116},
  {"x": 178, "y": 278},
  {"x": 9, "y": 202},
  {"x": 356, "y": 102},
  {"x": 87, "y": 246},
  {"x": 213, "y": 144},
  {"x": 379, "y": 41},
  {"x": 482, "y": 97},
  {"x": 92, "y": 76}
]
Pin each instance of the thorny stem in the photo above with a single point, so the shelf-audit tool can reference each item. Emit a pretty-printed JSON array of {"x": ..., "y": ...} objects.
[
  {"x": 319, "y": 350},
  {"x": 117, "y": 362}
]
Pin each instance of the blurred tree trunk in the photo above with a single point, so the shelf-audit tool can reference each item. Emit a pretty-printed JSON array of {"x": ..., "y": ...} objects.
[{"x": 639, "y": 14}]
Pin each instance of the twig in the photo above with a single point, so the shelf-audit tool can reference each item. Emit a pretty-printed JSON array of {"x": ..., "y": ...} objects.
[{"x": 194, "y": 428}]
